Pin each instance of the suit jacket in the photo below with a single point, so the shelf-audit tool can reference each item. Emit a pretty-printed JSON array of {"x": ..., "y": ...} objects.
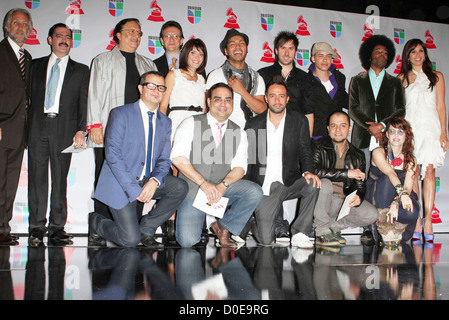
[
  {"x": 72, "y": 102},
  {"x": 296, "y": 147},
  {"x": 390, "y": 102},
  {"x": 14, "y": 94},
  {"x": 125, "y": 138}
]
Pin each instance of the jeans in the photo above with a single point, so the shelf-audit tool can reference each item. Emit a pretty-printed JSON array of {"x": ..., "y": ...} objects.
[
  {"x": 244, "y": 196},
  {"x": 125, "y": 229}
]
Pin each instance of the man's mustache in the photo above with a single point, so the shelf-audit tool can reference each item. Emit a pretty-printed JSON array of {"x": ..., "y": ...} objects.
[{"x": 63, "y": 44}]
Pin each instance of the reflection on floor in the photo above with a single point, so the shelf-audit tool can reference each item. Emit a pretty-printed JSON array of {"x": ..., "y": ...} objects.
[{"x": 80, "y": 272}]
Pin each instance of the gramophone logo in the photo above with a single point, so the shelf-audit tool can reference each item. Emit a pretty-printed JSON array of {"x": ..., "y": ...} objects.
[
  {"x": 32, "y": 39},
  {"x": 112, "y": 42},
  {"x": 429, "y": 40},
  {"x": 267, "y": 21},
  {"x": 32, "y": 4},
  {"x": 303, "y": 57},
  {"x": 302, "y": 27},
  {"x": 116, "y": 7},
  {"x": 194, "y": 14},
  {"x": 337, "y": 61},
  {"x": 335, "y": 29},
  {"x": 398, "y": 62},
  {"x": 75, "y": 7},
  {"x": 156, "y": 12},
  {"x": 399, "y": 35},
  {"x": 267, "y": 53},
  {"x": 368, "y": 32},
  {"x": 154, "y": 45},
  {"x": 231, "y": 22}
]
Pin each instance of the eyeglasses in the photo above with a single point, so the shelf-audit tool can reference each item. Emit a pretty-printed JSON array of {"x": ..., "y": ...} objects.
[
  {"x": 399, "y": 132},
  {"x": 152, "y": 86},
  {"x": 133, "y": 32},
  {"x": 173, "y": 36}
]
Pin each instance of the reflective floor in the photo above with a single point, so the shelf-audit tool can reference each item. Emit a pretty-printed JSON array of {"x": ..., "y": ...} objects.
[{"x": 80, "y": 272}]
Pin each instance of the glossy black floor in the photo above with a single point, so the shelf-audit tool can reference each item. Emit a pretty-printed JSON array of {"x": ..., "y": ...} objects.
[{"x": 80, "y": 272}]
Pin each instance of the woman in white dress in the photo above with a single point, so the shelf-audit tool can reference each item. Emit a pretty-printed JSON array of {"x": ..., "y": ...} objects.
[
  {"x": 186, "y": 87},
  {"x": 426, "y": 113}
]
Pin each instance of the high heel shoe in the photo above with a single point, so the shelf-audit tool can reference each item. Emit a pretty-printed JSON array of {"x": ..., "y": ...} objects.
[
  {"x": 417, "y": 236},
  {"x": 428, "y": 237}
]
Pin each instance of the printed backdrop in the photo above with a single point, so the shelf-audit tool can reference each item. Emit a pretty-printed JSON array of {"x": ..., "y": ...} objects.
[{"x": 93, "y": 21}]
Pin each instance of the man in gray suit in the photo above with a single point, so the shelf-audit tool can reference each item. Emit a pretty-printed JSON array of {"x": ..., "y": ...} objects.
[{"x": 210, "y": 152}]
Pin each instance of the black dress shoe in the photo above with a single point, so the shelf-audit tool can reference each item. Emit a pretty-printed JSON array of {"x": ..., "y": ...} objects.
[
  {"x": 367, "y": 238},
  {"x": 36, "y": 237},
  {"x": 150, "y": 242},
  {"x": 170, "y": 231},
  {"x": 6, "y": 240},
  {"x": 94, "y": 238},
  {"x": 60, "y": 236}
]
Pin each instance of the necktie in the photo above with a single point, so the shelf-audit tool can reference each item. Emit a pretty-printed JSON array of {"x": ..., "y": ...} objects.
[
  {"x": 22, "y": 62},
  {"x": 220, "y": 132},
  {"x": 150, "y": 143},
  {"x": 173, "y": 63},
  {"x": 52, "y": 85}
]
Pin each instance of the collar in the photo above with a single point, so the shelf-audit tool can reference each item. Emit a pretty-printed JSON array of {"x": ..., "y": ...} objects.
[
  {"x": 144, "y": 109},
  {"x": 372, "y": 74},
  {"x": 212, "y": 121},
  {"x": 53, "y": 58},
  {"x": 15, "y": 47}
]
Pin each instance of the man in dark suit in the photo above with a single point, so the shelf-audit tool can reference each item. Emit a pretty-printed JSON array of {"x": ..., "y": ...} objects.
[
  {"x": 171, "y": 38},
  {"x": 14, "y": 97},
  {"x": 278, "y": 141},
  {"x": 374, "y": 98},
  {"x": 130, "y": 174},
  {"x": 57, "y": 119}
]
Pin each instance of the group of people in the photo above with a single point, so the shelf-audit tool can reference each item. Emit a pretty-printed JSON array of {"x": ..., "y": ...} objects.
[{"x": 162, "y": 130}]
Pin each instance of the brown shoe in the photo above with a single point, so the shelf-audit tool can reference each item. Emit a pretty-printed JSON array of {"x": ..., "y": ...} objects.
[{"x": 222, "y": 235}]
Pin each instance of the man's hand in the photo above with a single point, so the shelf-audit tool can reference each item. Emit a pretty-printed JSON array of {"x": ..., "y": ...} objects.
[
  {"x": 0, "y": 134},
  {"x": 79, "y": 140},
  {"x": 211, "y": 191},
  {"x": 148, "y": 191},
  {"x": 96, "y": 135},
  {"x": 356, "y": 174},
  {"x": 237, "y": 85},
  {"x": 314, "y": 178},
  {"x": 354, "y": 202}
]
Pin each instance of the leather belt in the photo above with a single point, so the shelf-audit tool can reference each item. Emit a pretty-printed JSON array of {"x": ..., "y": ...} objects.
[
  {"x": 190, "y": 108},
  {"x": 51, "y": 115}
]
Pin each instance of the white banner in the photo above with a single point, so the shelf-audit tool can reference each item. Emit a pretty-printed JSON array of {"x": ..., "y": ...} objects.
[{"x": 93, "y": 21}]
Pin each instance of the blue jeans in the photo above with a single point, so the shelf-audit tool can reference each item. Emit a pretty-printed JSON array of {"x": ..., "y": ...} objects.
[
  {"x": 244, "y": 196},
  {"x": 125, "y": 229}
]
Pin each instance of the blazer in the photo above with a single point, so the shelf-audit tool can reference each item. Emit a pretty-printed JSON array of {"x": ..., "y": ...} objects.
[
  {"x": 390, "y": 102},
  {"x": 14, "y": 95},
  {"x": 107, "y": 85},
  {"x": 125, "y": 156},
  {"x": 72, "y": 102},
  {"x": 296, "y": 147}
]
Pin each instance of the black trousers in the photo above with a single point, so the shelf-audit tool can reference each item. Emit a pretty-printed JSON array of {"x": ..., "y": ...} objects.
[{"x": 47, "y": 149}]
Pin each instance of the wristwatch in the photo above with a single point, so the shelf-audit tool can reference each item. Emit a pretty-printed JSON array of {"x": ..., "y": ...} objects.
[{"x": 225, "y": 183}]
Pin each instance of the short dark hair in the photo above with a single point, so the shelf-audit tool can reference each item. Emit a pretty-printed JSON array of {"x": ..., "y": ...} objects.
[
  {"x": 338, "y": 112},
  {"x": 143, "y": 77},
  {"x": 170, "y": 23},
  {"x": 51, "y": 31},
  {"x": 219, "y": 85},
  {"x": 119, "y": 27},
  {"x": 276, "y": 80},
  {"x": 283, "y": 37},
  {"x": 367, "y": 47},
  {"x": 183, "y": 56}
]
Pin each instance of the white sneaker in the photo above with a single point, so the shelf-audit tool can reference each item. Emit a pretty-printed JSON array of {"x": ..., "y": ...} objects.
[
  {"x": 300, "y": 240},
  {"x": 237, "y": 239}
]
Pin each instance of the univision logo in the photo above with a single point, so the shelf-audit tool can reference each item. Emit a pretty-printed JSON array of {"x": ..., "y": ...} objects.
[
  {"x": 267, "y": 21},
  {"x": 154, "y": 45},
  {"x": 32, "y": 4},
  {"x": 194, "y": 14},
  {"x": 399, "y": 35},
  {"x": 335, "y": 29},
  {"x": 115, "y": 7},
  {"x": 303, "y": 57},
  {"x": 76, "y": 38}
]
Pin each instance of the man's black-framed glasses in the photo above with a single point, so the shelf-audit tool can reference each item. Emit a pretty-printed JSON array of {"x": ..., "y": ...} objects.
[{"x": 152, "y": 86}]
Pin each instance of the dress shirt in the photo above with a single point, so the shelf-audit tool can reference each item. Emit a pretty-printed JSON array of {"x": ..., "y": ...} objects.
[
  {"x": 182, "y": 143},
  {"x": 62, "y": 67},
  {"x": 275, "y": 137},
  {"x": 144, "y": 111},
  {"x": 170, "y": 60},
  {"x": 15, "y": 47}
]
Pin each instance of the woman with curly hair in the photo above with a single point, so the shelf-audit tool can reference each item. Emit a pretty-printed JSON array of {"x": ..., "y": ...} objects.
[
  {"x": 425, "y": 110},
  {"x": 393, "y": 169}
]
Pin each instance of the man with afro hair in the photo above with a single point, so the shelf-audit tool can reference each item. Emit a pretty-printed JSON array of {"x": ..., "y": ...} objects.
[{"x": 374, "y": 97}]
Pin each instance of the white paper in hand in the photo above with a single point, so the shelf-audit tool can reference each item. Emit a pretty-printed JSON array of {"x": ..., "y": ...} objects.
[
  {"x": 344, "y": 210},
  {"x": 213, "y": 209}
]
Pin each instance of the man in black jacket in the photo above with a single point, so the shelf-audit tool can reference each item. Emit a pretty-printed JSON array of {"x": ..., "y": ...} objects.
[
  {"x": 341, "y": 168},
  {"x": 329, "y": 91}
]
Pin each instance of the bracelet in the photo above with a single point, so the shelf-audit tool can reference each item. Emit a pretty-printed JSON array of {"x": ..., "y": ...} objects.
[
  {"x": 201, "y": 183},
  {"x": 97, "y": 125},
  {"x": 399, "y": 189}
]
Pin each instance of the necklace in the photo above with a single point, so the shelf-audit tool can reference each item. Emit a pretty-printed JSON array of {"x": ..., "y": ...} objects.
[{"x": 395, "y": 162}]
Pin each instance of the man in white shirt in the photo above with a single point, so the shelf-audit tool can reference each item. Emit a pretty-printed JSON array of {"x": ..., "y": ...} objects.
[
  {"x": 14, "y": 97},
  {"x": 57, "y": 119},
  {"x": 210, "y": 152},
  {"x": 247, "y": 84}
]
